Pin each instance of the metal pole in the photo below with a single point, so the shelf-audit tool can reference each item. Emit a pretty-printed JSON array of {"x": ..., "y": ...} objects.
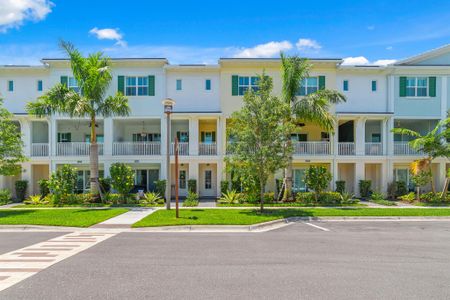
[
  {"x": 168, "y": 185},
  {"x": 176, "y": 175}
]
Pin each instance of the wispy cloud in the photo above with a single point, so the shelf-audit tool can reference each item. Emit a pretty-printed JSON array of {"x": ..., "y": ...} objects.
[
  {"x": 361, "y": 61},
  {"x": 269, "y": 49},
  {"x": 371, "y": 27},
  {"x": 109, "y": 34},
  {"x": 308, "y": 45},
  {"x": 13, "y": 13}
]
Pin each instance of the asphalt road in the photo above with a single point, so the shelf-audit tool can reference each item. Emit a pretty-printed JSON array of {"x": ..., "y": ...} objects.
[
  {"x": 10, "y": 241},
  {"x": 354, "y": 260}
]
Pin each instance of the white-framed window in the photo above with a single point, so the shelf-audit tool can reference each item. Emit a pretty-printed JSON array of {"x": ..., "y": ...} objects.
[
  {"x": 299, "y": 180},
  {"x": 299, "y": 137},
  {"x": 136, "y": 86},
  {"x": 308, "y": 86},
  {"x": 39, "y": 86},
  {"x": 374, "y": 85},
  {"x": 64, "y": 137},
  {"x": 345, "y": 85},
  {"x": 147, "y": 137},
  {"x": 208, "y": 179},
  {"x": 208, "y": 84},
  {"x": 247, "y": 82},
  {"x": 179, "y": 84},
  {"x": 416, "y": 86},
  {"x": 10, "y": 86},
  {"x": 208, "y": 137},
  {"x": 72, "y": 84},
  {"x": 182, "y": 179},
  {"x": 183, "y": 136}
]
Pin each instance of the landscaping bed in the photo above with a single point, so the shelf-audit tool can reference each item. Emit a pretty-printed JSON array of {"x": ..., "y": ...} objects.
[
  {"x": 251, "y": 216},
  {"x": 58, "y": 217}
]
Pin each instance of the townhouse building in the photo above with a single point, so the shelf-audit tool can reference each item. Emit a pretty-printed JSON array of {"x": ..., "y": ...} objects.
[{"x": 413, "y": 93}]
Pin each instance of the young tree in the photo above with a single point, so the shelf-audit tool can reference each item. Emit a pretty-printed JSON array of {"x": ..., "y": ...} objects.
[
  {"x": 122, "y": 179},
  {"x": 11, "y": 145},
  {"x": 317, "y": 178},
  {"x": 260, "y": 134},
  {"x": 93, "y": 75},
  {"x": 312, "y": 108}
]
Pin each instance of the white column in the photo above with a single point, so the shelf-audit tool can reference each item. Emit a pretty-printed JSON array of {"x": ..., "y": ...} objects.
[
  {"x": 384, "y": 136},
  {"x": 193, "y": 136},
  {"x": 386, "y": 176},
  {"x": 163, "y": 134},
  {"x": 334, "y": 167},
  {"x": 391, "y": 93},
  {"x": 223, "y": 129},
  {"x": 28, "y": 176},
  {"x": 360, "y": 136},
  {"x": 444, "y": 96},
  {"x": 53, "y": 138},
  {"x": 193, "y": 173},
  {"x": 106, "y": 165},
  {"x": 390, "y": 136},
  {"x": 359, "y": 175},
  {"x": 219, "y": 134},
  {"x": 335, "y": 139},
  {"x": 25, "y": 129},
  {"x": 441, "y": 175},
  {"x": 108, "y": 130},
  {"x": 220, "y": 175}
]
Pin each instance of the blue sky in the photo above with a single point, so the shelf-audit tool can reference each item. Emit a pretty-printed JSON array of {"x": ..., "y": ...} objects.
[{"x": 203, "y": 31}]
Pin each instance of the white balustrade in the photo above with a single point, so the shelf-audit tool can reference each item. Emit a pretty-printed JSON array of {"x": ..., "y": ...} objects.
[
  {"x": 137, "y": 148},
  {"x": 76, "y": 149},
  {"x": 346, "y": 148},
  {"x": 403, "y": 148},
  {"x": 207, "y": 149},
  {"x": 183, "y": 148},
  {"x": 312, "y": 148},
  {"x": 374, "y": 149},
  {"x": 39, "y": 149}
]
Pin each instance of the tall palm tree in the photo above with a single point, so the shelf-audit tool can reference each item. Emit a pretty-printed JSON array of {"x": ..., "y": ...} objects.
[
  {"x": 433, "y": 144},
  {"x": 312, "y": 108},
  {"x": 93, "y": 75}
]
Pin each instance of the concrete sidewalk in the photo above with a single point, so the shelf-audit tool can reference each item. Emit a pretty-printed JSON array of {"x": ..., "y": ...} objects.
[{"x": 127, "y": 219}]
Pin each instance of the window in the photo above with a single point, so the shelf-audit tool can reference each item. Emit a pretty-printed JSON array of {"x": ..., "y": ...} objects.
[
  {"x": 183, "y": 136},
  {"x": 246, "y": 83},
  {"x": 208, "y": 137},
  {"x": 10, "y": 86},
  {"x": 208, "y": 179},
  {"x": 147, "y": 137},
  {"x": 182, "y": 179},
  {"x": 374, "y": 85},
  {"x": 345, "y": 85},
  {"x": 376, "y": 138},
  {"x": 324, "y": 136},
  {"x": 64, "y": 137},
  {"x": 208, "y": 84},
  {"x": 141, "y": 179},
  {"x": 100, "y": 138},
  {"x": 403, "y": 174},
  {"x": 136, "y": 86},
  {"x": 416, "y": 86},
  {"x": 39, "y": 85},
  {"x": 299, "y": 180},
  {"x": 72, "y": 84},
  {"x": 299, "y": 137},
  {"x": 179, "y": 84},
  {"x": 308, "y": 86}
]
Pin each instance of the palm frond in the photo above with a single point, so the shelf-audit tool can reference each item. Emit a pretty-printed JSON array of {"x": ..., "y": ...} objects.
[
  {"x": 114, "y": 106},
  {"x": 405, "y": 131},
  {"x": 51, "y": 102}
]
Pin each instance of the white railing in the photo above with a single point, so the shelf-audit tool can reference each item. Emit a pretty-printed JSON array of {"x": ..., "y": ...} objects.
[
  {"x": 403, "y": 148},
  {"x": 136, "y": 148},
  {"x": 312, "y": 148},
  {"x": 76, "y": 149},
  {"x": 207, "y": 149},
  {"x": 346, "y": 148},
  {"x": 183, "y": 148},
  {"x": 374, "y": 149},
  {"x": 39, "y": 149}
]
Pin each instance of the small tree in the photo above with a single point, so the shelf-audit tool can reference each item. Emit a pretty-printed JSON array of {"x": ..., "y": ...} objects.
[
  {"x": 21, "y": 189},
  {"x": 317, "y": 178},
  {"x": 260, "y": 134},
  {"x": 62, "y": 183},
  {"x": 421, "y": 179},
  {"x": 122, "y": 179}
]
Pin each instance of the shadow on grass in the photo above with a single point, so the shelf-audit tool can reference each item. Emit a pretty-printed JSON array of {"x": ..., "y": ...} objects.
[{"x": 11, "y": 213}]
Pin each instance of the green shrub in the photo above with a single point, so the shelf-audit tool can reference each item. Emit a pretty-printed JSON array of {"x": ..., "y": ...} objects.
[
  {"x": 268, "y": 197},
  {"x": 340, "y": 186},
  {"x": 377, "y": 196},
  {"x": 112, "y": 198},
  {"x": 105, "y": 184},
  {"x": 43, "y": 187},
  {"x": 62, "y": 183},
  {"x": 433, "y": 197},
  {"x": 191, "y": 200},
  {"x": 326, "y": 199},
  {"x": 224, "y": 186},
  {"x": 152, "y": 199},
  {"x": 401, "y": 188},
  {"x": 410, "y": 197},
  {"x": 330, "y": 199},
  {"x": 348, "y": 199},
  {"x": 192, "y": 185},
  {"x": 317, "y": 178},
  {"x": 306, "y": 198},
  {"x": 230, "y": 197},
  {"x": 122, "y": 179},
  {"x": 21, "y": 189},
  {"x": 37, "y": 200},
  {"x": 160, "y": 187},
  {"x": 5, "y": 196},
  {"x": 365, "y": 188},
  {"x": 384, "y": 202}
]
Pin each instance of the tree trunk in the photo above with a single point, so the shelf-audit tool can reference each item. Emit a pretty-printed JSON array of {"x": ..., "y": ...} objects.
[
  {"x": 261, "y": 195},
  {"x": 418, "y": 193},
  {"x": 93, "y": 159},
  {"x": 444, "y": 191},
  {"x": 288, "y": 179}
]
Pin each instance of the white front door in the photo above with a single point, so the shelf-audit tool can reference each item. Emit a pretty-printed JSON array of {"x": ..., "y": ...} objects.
[{"x": 208, "y": 182}]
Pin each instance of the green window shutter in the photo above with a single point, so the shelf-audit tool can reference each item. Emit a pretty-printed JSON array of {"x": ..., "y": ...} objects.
[
  {"x": 64, "y": 80},
  {"x": 69, "y": 137},
  {"x": 121, "y": 84},
  {"x": 321, "y": 82},
  {"x": 234, "y": 85},
  {"x": 402, "y": 86},
  {"x": 59, "y": 137},
  {"x": 202, "y": 137},
  {"x": 432, "y": 86},
  {"x": 214, "y": 136},
  {"x": 179, "y": 136},
  {"x": 151, "y": 85}
]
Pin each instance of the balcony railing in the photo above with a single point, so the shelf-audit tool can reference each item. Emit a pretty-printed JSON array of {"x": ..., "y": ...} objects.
[
  {"x": 137, "y": 148},
  {"x": 76, "y": 149},
  {"x": 183, "y": 149},
  {"x": 207, "y": 149},
  {"x": 39, "y": 149},
  {"x": 374, "y": 149},
  {"x": 346, "y": 148},
  {"x": 312, "y": 148},
  {"x": 403, "y": 148}
]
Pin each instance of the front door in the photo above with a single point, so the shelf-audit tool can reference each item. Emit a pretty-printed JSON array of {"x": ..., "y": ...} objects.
[
  {"x": 208, "y": 183},
  {"x": 299, "y": 180},
  {"x": 141, "y": 179},
  {"x": 153, "y": 175}
]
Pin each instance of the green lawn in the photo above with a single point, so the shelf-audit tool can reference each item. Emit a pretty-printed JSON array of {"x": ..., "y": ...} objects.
[
  {"x": 57, "y": 217},
  {"x": 84, "y": 205},
  {"x": 283, "y": 204},
  {"x": 250, "y": 216}
]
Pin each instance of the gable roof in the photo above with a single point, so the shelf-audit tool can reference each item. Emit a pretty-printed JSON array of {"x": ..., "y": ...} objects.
[{"x": 413, "y": 60}]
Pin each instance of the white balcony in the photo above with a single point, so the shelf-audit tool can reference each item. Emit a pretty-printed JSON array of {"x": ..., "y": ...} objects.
[
  {"x": 39, "y": 149},
  {"x": 207, "y": 149},
  {"x": 75, "y": 149},
  {"x": 137, "y": 148},
  {"x": 346, "y": 148},
  {"x": 403, "y": 148},
  {"x": 374, "y": 149},
  {"x": 183, "y": 149},
  {"x": 312, "y": 148}
]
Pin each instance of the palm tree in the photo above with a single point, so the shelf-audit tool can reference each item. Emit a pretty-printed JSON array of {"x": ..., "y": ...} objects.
[
  {"x": 434, "y": 144},
  {"x": 312, "y": 108},
  {"x": 93, "y": 75}
]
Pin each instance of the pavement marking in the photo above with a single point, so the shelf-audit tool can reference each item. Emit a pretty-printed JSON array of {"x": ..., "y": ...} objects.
[
  {"x": 316, "y": 226},
  {"x": 22, "y": 263}
]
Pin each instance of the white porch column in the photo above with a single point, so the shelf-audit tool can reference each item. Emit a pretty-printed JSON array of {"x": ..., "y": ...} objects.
[
  {"x": 25, "y": 129},
  {"x": 223, "y": 129},
  {"x": 108, "y": 130},
  {"x": 106, "y": 165},
  {"x": 444, "y": 96},
  {"x": 335, "y": 139},
  {"x": 53, "y": 135},
  {"x": 335, "y": 172},
  {"x": 163, "y": 135},
  {"x": 384, "y": 136},
  {"x": 193, "y": 136},
  {"x": 220, "y": 175},
  {"x": 28, "y": 176},
  {"x": 360, "y": 136},
  {"x": 440, "y": 176},
  {"x": 219, "y": 135},
  {"x": 193, "y": 173},
  {"x": 386, "y": 176},
  {"x": 390, "y": 136},
  {"x": 359, "y": 175}
]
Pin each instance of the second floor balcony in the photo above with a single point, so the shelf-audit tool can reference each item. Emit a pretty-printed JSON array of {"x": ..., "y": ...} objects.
[
  {"x": 403, "y": 148},
  {"x": 136, "y": 148},
  {"x": 76, "y": 149},
  {"x": 312, "y": 148}
]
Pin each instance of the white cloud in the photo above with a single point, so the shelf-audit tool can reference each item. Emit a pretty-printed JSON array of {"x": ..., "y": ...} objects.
[
  {"x": 389, "y": 48},
  {"x": 384, "y": 62},
  {"x": 269, "y": 49},
  {"x": 361, "y": 61},
  {"x": 371, "y": 27},
  {"x": 308, "y": 45},
  {"x": 109, "y": 34},
  {"x": 13, "y": 13}
]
